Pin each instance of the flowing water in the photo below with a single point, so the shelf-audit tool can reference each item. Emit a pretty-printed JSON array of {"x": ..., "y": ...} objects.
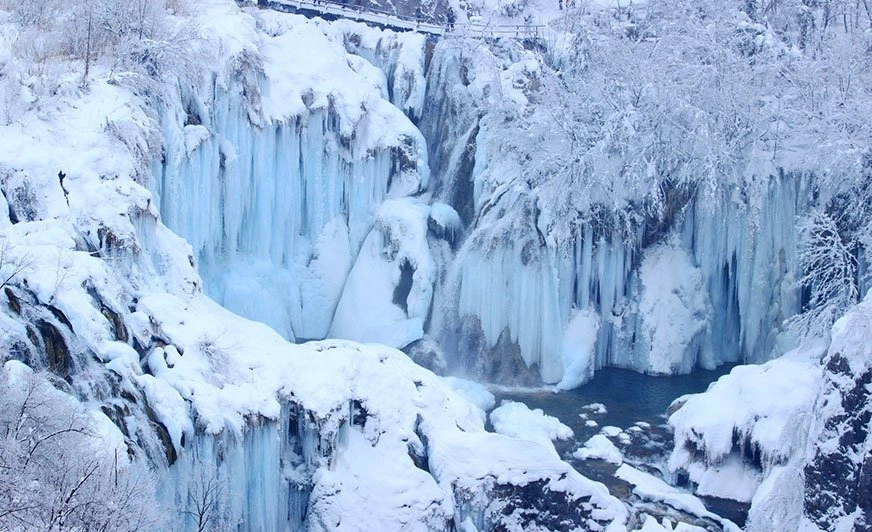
[{"x": 633, "y": 402}]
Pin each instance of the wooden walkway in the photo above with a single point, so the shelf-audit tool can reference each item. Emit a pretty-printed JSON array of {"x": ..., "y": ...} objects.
[{"x": 331, "y": 11}]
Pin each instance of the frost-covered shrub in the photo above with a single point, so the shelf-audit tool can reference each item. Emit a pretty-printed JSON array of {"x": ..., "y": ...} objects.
[
  {"x": 58, "y": 467},
  {"x": 829, "y": 276}
]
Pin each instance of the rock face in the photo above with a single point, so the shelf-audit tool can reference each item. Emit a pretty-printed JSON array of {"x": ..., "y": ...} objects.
[
  {"x": 537, "y": 507},
  {"x": 838, "y": 476}
]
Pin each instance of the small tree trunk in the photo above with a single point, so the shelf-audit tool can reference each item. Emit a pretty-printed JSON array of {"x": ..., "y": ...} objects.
[{"x": 87, "y": 51}]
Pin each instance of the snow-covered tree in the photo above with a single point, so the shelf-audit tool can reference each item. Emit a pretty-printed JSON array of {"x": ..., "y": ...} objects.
[
  {"x": 55, "y": 472},
  {"x": 829, "y": 276}
]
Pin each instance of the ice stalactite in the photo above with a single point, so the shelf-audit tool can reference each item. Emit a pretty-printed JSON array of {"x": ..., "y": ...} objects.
[
  {"x": 722, "y": 265},
  {"x": 276, "y": 210}
]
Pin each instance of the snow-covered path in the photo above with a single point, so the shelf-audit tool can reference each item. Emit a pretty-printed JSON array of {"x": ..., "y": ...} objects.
[{"x": 396, "y": 22}]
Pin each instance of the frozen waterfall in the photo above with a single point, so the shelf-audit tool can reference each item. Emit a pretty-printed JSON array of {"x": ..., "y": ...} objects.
[{"x": 290, "y": 222}]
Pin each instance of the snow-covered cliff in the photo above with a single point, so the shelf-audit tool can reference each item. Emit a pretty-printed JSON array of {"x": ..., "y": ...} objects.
[
  {"x": 790, "y": 436},
  {"x": 331, "y": 180},
  {"x": 239, "y": 427}
]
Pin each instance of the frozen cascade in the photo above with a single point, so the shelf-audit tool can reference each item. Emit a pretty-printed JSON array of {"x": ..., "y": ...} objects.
[
  {"x": 506, "y": 294},
  {"x": 749, "y": 256},
  {"x": 260, "y": 479},
  {"x": 276, "y": 214},
  {"x": 284, "y": 208},
  {"x": 740, "y": 261},
  {"x": 521, "y": 276}
]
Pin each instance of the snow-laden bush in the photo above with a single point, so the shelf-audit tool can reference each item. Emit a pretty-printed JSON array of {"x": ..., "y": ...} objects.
[
  {"x": 58, "y": 467},
  {"x": 829, "y": 275}
]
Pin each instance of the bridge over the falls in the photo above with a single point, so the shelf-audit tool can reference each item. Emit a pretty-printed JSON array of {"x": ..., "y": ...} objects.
[{"x": 332, "y": 10}]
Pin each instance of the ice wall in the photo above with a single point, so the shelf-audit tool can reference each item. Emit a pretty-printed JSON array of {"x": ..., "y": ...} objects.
[
  {"x": 277, "y": 202},
  {"x": 257, "y": 479},
  {"x": 276, "y": 177},
  {"x": 710, "y": 282},
  {"x": 726, "y": 279}
]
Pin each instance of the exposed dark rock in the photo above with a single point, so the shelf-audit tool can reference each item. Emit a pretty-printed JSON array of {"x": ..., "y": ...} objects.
[
  {"x": 108, "y": 241},
  {"x": 838, "y": 479},
  {"x": 117, "y": 414},
  {"x": 359, "y": 414},
  {"x": 427, "y": 354},
  {"x": 160, "y": 430},
  {"x": 13, "y": 301},
  {"x": 405, "y": 157},
  {"x": 56, "y": 351},
  {"x": 441, "y": 233},
  {"x": 499, "y": 363},
  {"x": 60, "y": 316},
  {"x": 461, "y": 196},
  {"x": 533, "y": 506},
  {"x": 420, "y": 453},
  {"x": 32, "y": 336},
  {"x": 404, "y": 287},
  {"x": 164, "y": 436},
  {"x": 676, "y": 197},
  {"x": 119, "y": 330}
]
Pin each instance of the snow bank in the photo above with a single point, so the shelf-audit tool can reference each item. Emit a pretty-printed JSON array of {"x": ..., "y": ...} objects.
[
  {"x": 650, "y": 524},
  {"x": 651, "y": 488},
  {"x": 599, "y": 447},
  {"x": 730, "y": 437},
  {"x": 472, "y": 391},
  {"x": 518, "y": 421}
]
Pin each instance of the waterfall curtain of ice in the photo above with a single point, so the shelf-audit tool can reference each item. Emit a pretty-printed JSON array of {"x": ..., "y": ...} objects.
[
  {"x": 260, "y": 205},
  {"x": 277, "y": 214}
]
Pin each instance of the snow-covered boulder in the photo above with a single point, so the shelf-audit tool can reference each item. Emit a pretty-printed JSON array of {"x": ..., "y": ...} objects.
[
  {"x": 601, "y": 448},
  {"x": 519, "y": 421},
  {"x": 729, "y": 439}
]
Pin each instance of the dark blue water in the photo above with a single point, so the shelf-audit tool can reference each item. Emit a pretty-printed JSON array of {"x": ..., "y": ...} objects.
[{"x": 629, "y": 398}]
